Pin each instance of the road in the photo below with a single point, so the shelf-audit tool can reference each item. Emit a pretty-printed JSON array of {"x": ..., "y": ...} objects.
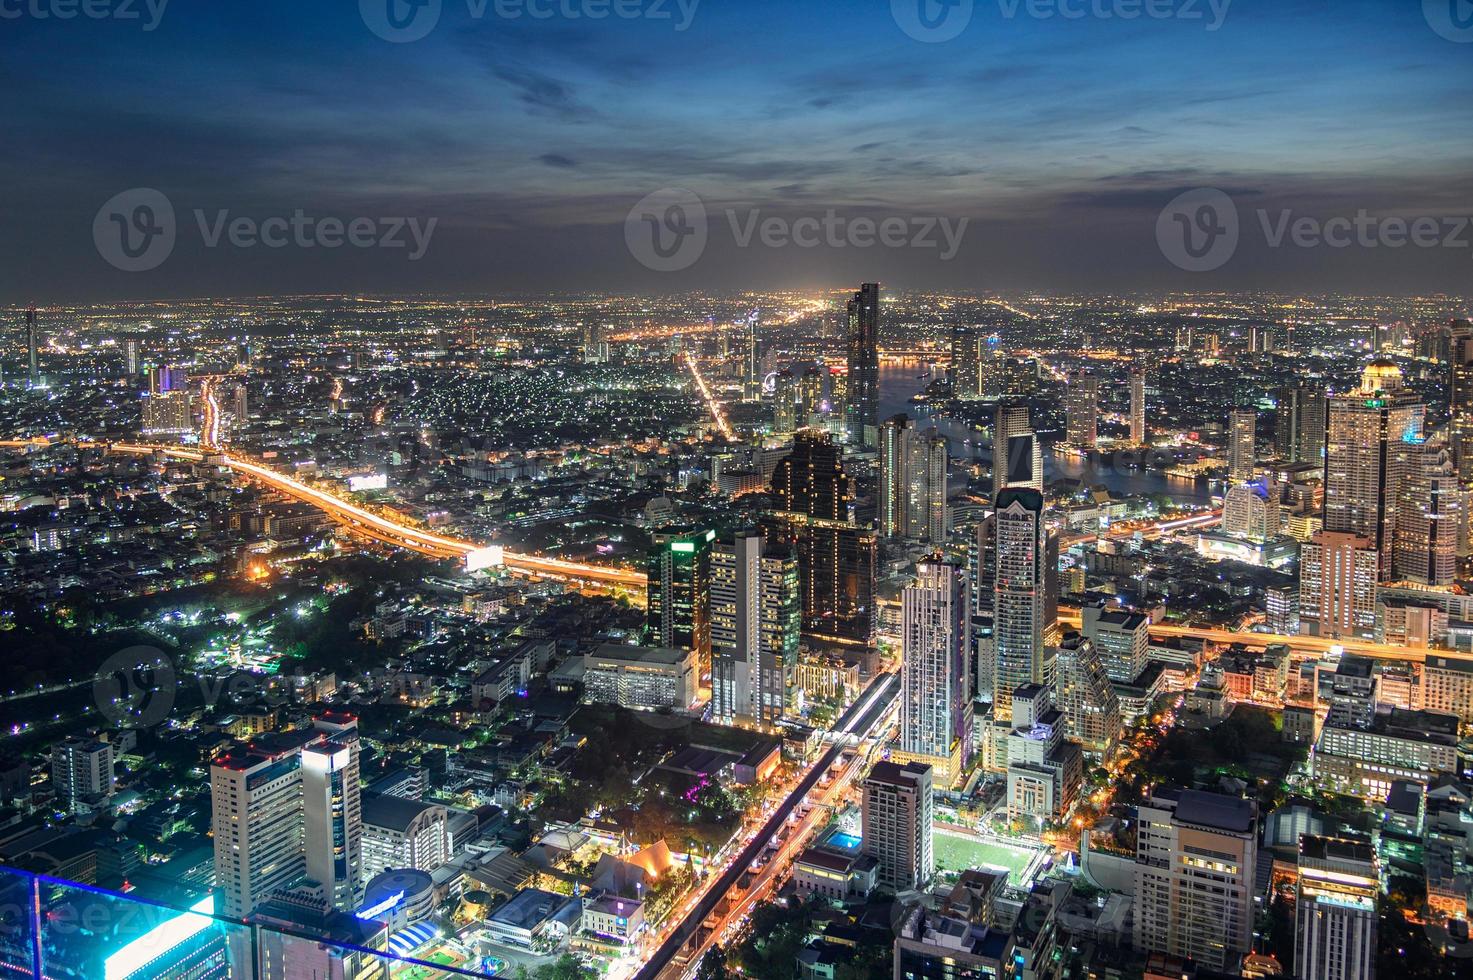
[
  {"x": 718, "y": 412},
  {"x": 376, "y": 526},
  {"x": 861, "y": 717}
]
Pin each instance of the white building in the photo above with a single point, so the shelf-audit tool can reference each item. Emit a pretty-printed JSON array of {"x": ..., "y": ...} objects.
[
  {"x": 935, "y": 672},
  {"x": 81, "y": 772},
  {"x": 1335, "y": 909},
  {"x": 403, "y": 833}
]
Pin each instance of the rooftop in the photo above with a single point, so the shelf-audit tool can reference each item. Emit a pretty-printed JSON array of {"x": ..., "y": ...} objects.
[{"x": 1216, "y": 811}]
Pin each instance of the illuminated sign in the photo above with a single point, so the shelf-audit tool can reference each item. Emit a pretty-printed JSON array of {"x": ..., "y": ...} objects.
[
  {"x": 134, "y": 958},
  {"x": 483, "y": 558},
  {"x": 387, "y": 905}
]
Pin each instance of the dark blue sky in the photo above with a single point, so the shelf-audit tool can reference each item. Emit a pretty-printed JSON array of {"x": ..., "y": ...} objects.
[{"x": 1060, "y": 139}]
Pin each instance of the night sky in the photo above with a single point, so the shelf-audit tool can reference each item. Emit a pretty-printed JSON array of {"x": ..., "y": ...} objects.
[{"x": 530, "y": 140}]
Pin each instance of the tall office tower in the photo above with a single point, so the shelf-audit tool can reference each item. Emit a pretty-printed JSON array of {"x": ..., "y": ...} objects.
[
  {"x": 240, "y": 403},
  {"x": 912, "y": 483},
  {"x": 1338, "y": 573},
  {"x": 1363, "y": 469},
  {"x": 1260, "y": 339},
  {"x": 784, "y": 403},
  {"x": 1086, "y": 697},
  {"x": 169, "y": 413},
  {"x": 33, "y": 373},
  {"x": 966, "y": 345},
  {"x": 1082, "y": 410},
  {"x": 936, "y": 669},
  {"x": 811, "y": 480},
  {"x": 1242, "y": 445},
  {"x": 1196, "y": 859},
  {"x": 992, "y": 368},
  {"x": 130, "y": 356},
  {"x": 983, "y": 557},
  {"x": 863, "y": 405},
  {"x": 1251, "y": 511},
  {"x": 1335, "y": 909},
  {"x": 896, "y": 821},
  {"x": 1428, "y": 516},
  {"x": 1017, "y": 455},
  {"x": 752, "y": 362},
  {"x": 82, "y": 772},
  {"x": 1020, "y": 607},
  {"x": 838, "y": 398},
  {"x": 287, "y": 807},
  {"x": 679, "y": 613},
  {"x": 1460, "y": 397},
  {"x": 1123, "y": 640},
  {"x": 333, "y": 811},
  {"x": 755, "y": 620},
  {"x": 810, "y": 397},
  {"x": 1138, "y": 407},
  {"x": 165, "y": 379},
  {"x": 1299, "y": 425}
]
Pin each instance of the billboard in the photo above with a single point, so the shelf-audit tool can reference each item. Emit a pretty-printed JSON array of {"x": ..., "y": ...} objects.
[
  {"x": 483, "y": 558},
  {"x": 374, "y": 481}
]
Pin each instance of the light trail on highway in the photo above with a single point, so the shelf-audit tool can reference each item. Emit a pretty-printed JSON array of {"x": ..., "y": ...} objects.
[{"x": 717, "y": 411}]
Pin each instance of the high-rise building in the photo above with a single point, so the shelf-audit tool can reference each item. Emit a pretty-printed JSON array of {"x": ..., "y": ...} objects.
[
  {"x": 679, "y": 591},
  {"x": 33, "y": 366},
  {"x": 965, "y": 363},
  {"x": 752, "y": 361},
  {"x": 1242, "y": 445},
  {"x": 836, "y": 559},
  {"x": 130, "y": 356},
  {"x": 1364, "y": 467},
  {"x": 913, "y": 463},
  {"x": 810, "y": 397},
  {"x": 784, "y": 403},
  {"x": 896, "y": 823},
  {"x": 1337, "y": 585},
  {"x": 169, "y": 413},
  {"x": 1020, "y": 607},
  {"x": 1017, "y": 455},
  {"x": 1196, "y": 863},
  {"x": 287, "y": 808},
  {"x": 1138, "y": 407},
  {"x": 1086, "y": 697},
  {"x": 992, "y": 368},
  {"x": 755, "y": 621},
  {"x": 165, "y": 378},
  {"x": 1251, "y": 511},
  {"x": 1299, "y": 425},
  {"x": 1460, "y": 397},
  {"x": 863, "y": 405},
  {"x": 403, "y": 833},
  {"x": 1122, "y": 638},
  {"x": 82, "y": 772},
  {"x": 1045, "y": 770},
  {"x": 1281, "y": 609},
  {"x": 936, "y": 669},
  {"x": 1335, "y": 909},
  {"x": 1082, "y": 410},
  {"x": 1428, "y": 516}
]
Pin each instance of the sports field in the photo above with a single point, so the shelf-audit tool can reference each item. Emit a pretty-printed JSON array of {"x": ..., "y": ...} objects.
[{"x": 957, "y": 852}]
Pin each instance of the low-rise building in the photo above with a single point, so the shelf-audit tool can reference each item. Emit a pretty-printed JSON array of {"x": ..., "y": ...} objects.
[{"x": 648, "y": 678}]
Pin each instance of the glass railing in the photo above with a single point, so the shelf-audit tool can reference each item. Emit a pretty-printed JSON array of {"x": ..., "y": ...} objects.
[{"x": 53, "y": 929}]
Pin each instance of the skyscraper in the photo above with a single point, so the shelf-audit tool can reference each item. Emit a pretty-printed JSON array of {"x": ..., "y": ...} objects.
[
  {"x": 752, "y": 362},
  {"x": 33, "y": 373},
  {"x": 679, "y": 613},
  {"x": 130, "y": 356},
  {"x": 936, "y": 669},
  {"x": 1138, "y": 407},
  {"x": 1335, "y": 909},
  {"x": 1086, "y": 697},
  {"x": 1017, "y": 456},
  {"x": 1250, "y": 511},
  {"x": 1242, "y": 448},
  {"x": 755, "y": 619},
  {"x": 784, "y": 403},
  {"x": 1123, "y": 640},
  {"x": 1019, "y": 596},
  {"x": 287, "y": 807},
  {"x": 965, "y": 363},
  {"x": 913, "y": 465},
  {"x": 836, "y": 559},
  {"x": 810, "y": 397},
  {"x": 1364, "y": 467},
  {"x": 1081, "y": 410},
  {"x": 896, "y": 823},
  {"x": 1338, "y": 572},
  {"x": 1428, "y": 515},
  {"x": 1196, "y": 863},
  {"x": 1299, "y": 425},
  {"x": 864, "y": 367},
  {"x": 1460, "y": 397}
]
